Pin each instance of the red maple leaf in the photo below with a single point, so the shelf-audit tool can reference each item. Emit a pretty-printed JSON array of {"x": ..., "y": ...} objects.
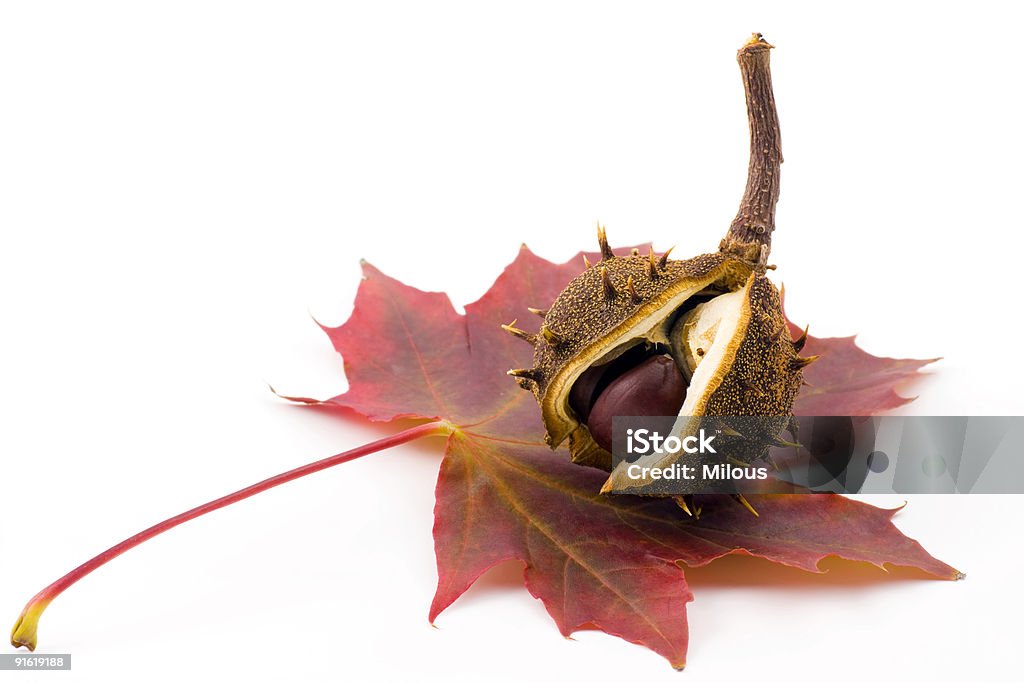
[
  {"x": 607, "y": 561},
  {"x": 614, "y": 562}
]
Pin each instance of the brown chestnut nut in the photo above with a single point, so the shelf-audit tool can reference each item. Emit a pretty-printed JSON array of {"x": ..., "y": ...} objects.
[
  {"x": 654, "y": 387},
  {"x": 595, "y": 380},
  {"x": 585, "y": 391}
]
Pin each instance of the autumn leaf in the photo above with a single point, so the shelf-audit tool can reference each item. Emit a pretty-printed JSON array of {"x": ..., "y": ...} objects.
[{"x": 608, "y": 561}]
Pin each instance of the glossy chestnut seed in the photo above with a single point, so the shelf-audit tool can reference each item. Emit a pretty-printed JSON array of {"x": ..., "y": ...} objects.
[
  {"x": 654, "y": 387},
  {"x": 597, "y": 378},
  {"x": 585, "y": 391}
]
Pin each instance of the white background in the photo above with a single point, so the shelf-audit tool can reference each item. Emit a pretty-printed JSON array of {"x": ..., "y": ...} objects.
[{"x": 182, "y": 184}]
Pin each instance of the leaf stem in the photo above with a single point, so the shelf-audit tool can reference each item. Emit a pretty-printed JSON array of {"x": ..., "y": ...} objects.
[
  {"x": 24, "y": 631},
  {"x": 750, "y": 235}
]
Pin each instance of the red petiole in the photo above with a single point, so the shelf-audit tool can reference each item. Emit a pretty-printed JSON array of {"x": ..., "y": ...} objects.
[{"x": 24, "y": 631}]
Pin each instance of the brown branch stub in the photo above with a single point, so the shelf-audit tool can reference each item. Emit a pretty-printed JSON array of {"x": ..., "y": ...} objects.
[{"x": 755, "y": 221}]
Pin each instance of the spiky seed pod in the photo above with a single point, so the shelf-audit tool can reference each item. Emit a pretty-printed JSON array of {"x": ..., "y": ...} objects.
[{"x": 716, "y": 315}]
